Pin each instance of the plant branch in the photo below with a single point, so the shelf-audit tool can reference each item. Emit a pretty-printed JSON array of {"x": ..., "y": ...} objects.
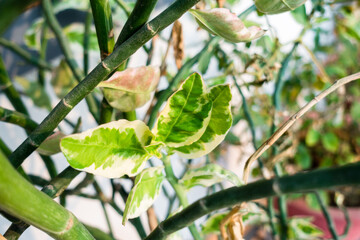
[
  {"x": 27, "y": 56},
  {"x": 99, "y": 73},
  {"x": 65, "y": 47},
  {"x": 180, "y": 192},
  {"x": 17, "y": 118},
  {"x": 301, "y": 182},
  {"x": 327, "y": 216},
  {"x": 285, "y": 126},
  {"x": 27, "y": 203}
]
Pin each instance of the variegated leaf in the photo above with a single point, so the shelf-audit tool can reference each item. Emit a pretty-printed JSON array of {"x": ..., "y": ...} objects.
[
  {"x": 51, "y": 145},
  {"x": 219, "y": 124},
  {"x": 186, "y": 114},
  {"x": 222, "y": 22},
  {"x": 207, "y": 176},
  {"x": 131, "y": 88},
  {"x": 277, "y": 6},
  {"x": 110, "y": 150},
  {"x": 146, "y": 188}
]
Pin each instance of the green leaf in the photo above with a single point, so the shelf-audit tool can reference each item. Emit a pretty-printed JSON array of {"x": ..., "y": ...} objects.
[
  {"x": 186, "y": 114},
  {"x": 330, "y": 142},
  {"x": 312, "y": 137},
  {"x": 219, "y": 124},
  {"x": 299, "y": 14},
  {"x": 75, "y": 34},
  {"x": 36, "y": 92},
  {"x": 355, "y": 111},
  {"x": 131, "y": 88},
  {"x": 51, "y": 145},
  {"x": 110, "y": 150},
  {"x": 33, "y": 34},
  {"x": 302, "y": 228},
  {"x": 303, "y": 157},
  {"x": 207, "y": 176},
  {"x": 223, "y": 23},
  {"x": 63, "y": 80},
  {"x": 277, "y": 6},
  {"x": 146, "y": 188},
  {"x": 212, "y": 225}
]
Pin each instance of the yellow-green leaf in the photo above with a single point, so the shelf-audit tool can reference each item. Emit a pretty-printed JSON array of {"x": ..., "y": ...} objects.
[
  {"x": 219, "y": 124},
  {"x": 146, "y": 188},
  {"x": 186, "y": 114},
  {"x": 111, "y": 150}
]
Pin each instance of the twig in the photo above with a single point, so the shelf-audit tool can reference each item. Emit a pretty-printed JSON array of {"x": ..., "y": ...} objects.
[
  {"x": 327, "y": 216},
  {"x": 152, "y": 219},
  {"x": 17, "y": 118},
  {"x": 65, "y": 47},
  {"x": 301, "y": 182},
  {"x": 325, "y": 77},
  {"x": 30, "y": 58},
  {"x": 285, "y": 126}
]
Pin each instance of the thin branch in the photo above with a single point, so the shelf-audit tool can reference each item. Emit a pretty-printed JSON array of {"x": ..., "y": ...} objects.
[
  {"x": 285, "y": 126},
  {"x": 65, "y": 47},
  {"x": 27, "y": 56},
  {"x": 327, "y": 216},
  {"x": 301, "y": 182}
]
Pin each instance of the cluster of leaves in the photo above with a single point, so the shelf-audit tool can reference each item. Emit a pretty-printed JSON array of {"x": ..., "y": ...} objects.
[{"x": 194, "y": 121}]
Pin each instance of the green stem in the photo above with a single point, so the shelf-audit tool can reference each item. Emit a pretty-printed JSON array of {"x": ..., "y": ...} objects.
[
  {"x": 17, "y": 118},
  {"x": 124, "y": 6},
  {"x": 131, "y": 116},
  {"x": 100, "y": 72},
  {"x": 271, "y": 213},
  {"x": 42, "y": 53},
  {"x": 276, "y": 101},
  {"x": 138, "y": 17},
  {"x": 65, "y": 47},
  {"x": 7, "y": 86},
  {"x": 327, "y": 216},
  {"x": 301, "y": 182},
  {"x": 86, "y": 40},
  {"x": 103, "y": 201},
  {"x": 20, "y": 199},
  {"x": 180, "y": 193},
  {"x": 101, "y": 11},
  {"x": 53, "y": 189},
  {"x": 180, "y": 76},
  {"x": 27, "y": 56},
  {"x": 282, "y": 208}
]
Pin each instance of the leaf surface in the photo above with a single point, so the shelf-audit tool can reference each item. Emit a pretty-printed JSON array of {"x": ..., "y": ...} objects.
[
  {"x": 131, "y": 88},
  {"x": 219, "y": 124},
  {"x": 223, "y": 23},
  {"x": 146, "y": 189},
  {"x": 186, "y": 114},
  {"x": 110, "y": 150},
  {"x": 51, "y": 145},
  {"x": 208, "y": 175},
  {"x": 277, "y": 6}
]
